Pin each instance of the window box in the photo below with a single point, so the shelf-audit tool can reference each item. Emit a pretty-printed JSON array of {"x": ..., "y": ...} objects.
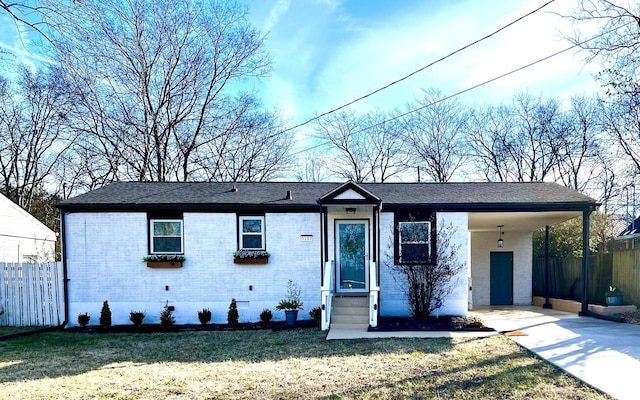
[
  {"x": 250, "y": 257},
  {"x": 164, "y": 260},
  {"x": 252, "y": 260},
  {"x": 164, "y": 264}
]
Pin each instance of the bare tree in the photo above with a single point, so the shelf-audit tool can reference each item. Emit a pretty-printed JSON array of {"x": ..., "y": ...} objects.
[
  {"x": 370, "y": 148},
  {"x": 616, "y": 47},
  {"x": 250, "y": 149},
  {"x": 312, "y": 166},
  {"x": 487, "y": 131},
  {"x": 33, "y": 134},
  {"x": 153, "y": 80},
  {"x": 436, "y": 135},
  {"x": 619, "y": 28},
  {"x": 577, "y": 143}
]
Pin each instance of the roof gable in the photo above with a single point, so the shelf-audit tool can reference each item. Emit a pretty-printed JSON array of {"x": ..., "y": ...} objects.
[
  {"x": 14, "y": 220},
  {"x": 349, "y": 193}
]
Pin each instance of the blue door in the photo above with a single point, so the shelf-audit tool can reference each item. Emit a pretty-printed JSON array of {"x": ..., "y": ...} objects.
[{"x": 501, "y": 278}]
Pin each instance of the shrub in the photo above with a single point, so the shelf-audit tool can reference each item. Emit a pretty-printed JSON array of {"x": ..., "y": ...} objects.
[
  {"x": 204, "y": 316},
  {"x": 136, "y": 317},
  {"x": 105, "y": 315},
  {"x": 426, "y": 283},
  {"x": 316, "y": 313},
  {"x": 265, "y": 316},
  {"x": 167, "y": 320},
  {"x": 232, "y": 315},
  {"x": 83, "y": 319}
]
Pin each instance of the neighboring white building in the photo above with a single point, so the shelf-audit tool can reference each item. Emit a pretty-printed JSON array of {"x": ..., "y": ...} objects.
[
  {"x": 22, "y": 237},
  {"x": 334, "y": 240}
]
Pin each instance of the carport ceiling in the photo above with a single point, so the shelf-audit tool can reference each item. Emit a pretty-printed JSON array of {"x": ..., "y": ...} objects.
[{"x": 518, "y": 221}]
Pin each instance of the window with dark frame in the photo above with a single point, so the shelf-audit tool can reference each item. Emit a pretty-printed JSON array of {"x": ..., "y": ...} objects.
[
  {"x": 251, "y": 233},
  {"x": 166, "y": 236},
  {"x": 165, "y": 231},
  {"x": 415, "y": 237}
]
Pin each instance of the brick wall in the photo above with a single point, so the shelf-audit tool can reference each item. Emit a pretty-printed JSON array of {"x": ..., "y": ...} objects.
[
  {"x": 482, "y": 244},
  {"x": 392, "y": 296},
  {"x": 104, "y": 253}
]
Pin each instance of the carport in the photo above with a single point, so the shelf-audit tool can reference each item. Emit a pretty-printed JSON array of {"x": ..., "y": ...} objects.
[{"x": 501, "y": 273}]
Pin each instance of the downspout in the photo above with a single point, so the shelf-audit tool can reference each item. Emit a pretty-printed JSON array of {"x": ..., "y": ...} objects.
[
  {"x": 65, "y": 276},
  {"x": 322, "y": 260},
  {"x": 546, "y": 268}
]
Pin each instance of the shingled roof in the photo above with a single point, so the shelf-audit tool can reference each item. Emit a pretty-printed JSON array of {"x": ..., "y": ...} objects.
[{"x": 535, "y": 196}]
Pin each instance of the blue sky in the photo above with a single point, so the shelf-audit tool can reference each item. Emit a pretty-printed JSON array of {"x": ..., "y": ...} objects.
[{"x": 328, "y": 52}]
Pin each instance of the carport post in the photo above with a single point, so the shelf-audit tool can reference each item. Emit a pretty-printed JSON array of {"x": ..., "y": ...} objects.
[
  {"x": 585, "y": 263},
  {"x": 546, "y": 268}
]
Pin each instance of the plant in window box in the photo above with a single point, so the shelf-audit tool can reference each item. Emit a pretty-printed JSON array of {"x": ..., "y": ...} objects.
[
  {"x": 251, "y": 257},
  {"x": 291, "y": 303},
  {"x": 613, "y": 296},
  {"x": 164, "y": 260}
]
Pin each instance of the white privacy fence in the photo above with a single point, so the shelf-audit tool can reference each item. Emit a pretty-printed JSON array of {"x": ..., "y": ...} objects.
[{"x": 31, "y": 294}]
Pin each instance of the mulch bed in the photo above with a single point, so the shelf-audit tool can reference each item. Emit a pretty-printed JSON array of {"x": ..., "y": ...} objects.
[
  {"x": 444, "y": 323},
  {"x": 156, "y": 328}
]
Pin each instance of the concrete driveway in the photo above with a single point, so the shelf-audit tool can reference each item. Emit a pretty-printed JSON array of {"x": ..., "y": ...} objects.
[{"x": 603, "y": 354}]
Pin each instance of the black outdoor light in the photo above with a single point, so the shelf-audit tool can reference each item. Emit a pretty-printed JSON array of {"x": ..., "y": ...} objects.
[{"x": 500, "y": 240}]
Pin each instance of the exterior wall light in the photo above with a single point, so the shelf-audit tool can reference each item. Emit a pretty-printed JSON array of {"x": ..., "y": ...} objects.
[{"x": 500, "y": 240}]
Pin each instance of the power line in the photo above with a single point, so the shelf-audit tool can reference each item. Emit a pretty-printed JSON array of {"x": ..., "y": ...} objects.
[
  {"x": 469, "y": 88},
  {"x": 416, "y": 71}
]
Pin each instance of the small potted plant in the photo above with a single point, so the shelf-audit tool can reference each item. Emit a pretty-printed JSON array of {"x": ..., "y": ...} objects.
[
  {"x": 613, "y": 296},
  {"x": 291, "y": 303},
  {"x": 251, "y": 257}
]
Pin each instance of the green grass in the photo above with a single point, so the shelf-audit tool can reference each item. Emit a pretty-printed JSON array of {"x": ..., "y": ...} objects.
[
  {"x": 264, "y": 364},
  {"x": 10, "y": 330}
]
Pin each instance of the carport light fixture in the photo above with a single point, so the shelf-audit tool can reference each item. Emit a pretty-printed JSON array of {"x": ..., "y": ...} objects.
[{"x": 500, "y": 240}]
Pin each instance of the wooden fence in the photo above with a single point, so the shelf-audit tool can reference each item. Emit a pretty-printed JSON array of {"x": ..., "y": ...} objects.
[
  {"x": 619, "y": 268},
  {"x": 31, "y": 294}
]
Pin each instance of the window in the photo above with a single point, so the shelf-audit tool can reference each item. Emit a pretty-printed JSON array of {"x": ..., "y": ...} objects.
[
  {"x": 251, "y": 233},
  {"x": 415, "y": 237},
  {"x": 166, "y": 236}
]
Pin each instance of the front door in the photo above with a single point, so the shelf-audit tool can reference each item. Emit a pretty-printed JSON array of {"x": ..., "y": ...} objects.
[
  {"x": 501, "y": 278},
  {"x": 352, "y": 247}
]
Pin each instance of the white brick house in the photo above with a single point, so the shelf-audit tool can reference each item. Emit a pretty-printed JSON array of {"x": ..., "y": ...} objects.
[{"x": 334, "y": 240}]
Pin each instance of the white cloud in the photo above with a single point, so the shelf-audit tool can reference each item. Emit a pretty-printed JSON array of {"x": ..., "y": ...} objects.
[
  {"x": 280, "y": 8},
  {"x": 327, "y": 55}
]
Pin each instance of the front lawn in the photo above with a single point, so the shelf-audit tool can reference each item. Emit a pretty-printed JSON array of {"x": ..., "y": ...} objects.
[{"x": 264, "y": 364}]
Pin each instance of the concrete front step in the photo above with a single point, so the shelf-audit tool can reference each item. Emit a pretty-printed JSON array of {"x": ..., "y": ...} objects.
[
  {"x": 335, "y": 326},
  {"x": 350, "y": 313},
  {"x": 350, "y": 319}
]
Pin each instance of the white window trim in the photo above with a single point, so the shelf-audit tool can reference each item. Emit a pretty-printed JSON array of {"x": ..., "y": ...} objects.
[
  {"x": 243, "y": 218},
  {"x": 151, "y": 236},
  {"x": 427, "y": 242}
]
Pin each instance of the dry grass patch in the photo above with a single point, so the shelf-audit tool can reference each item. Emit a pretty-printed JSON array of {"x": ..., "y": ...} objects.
[{"x": 264, "y": 364}]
